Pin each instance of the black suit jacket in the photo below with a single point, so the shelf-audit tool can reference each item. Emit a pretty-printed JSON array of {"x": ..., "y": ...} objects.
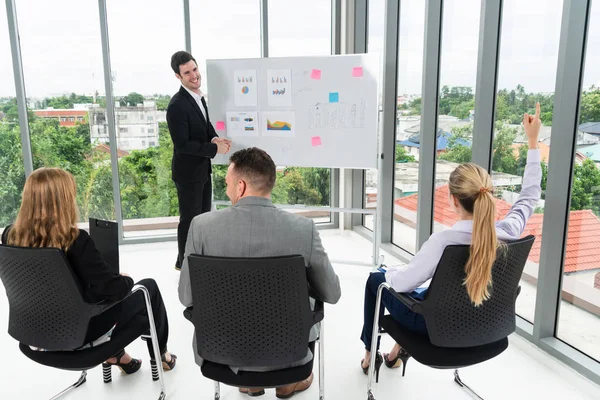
[{"x": 191, "y": 134}]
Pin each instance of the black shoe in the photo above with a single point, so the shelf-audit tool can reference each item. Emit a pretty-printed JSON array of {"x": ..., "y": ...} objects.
[
  {"x": 177, "y": 266},
  {"x": 131, "y": 367},
  {"x": 378, "y": 362}
]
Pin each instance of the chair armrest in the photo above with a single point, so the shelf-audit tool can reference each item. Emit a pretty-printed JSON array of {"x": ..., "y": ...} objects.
[
  {"x": 187, "y": 313},
  {"x": 318, "y": 313},
  {"x": 413, "y": 304},
  {"x": 99, "y": 308}
]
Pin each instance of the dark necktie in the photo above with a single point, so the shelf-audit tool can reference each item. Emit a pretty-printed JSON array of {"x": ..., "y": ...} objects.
[{"x": 205, "y": 109}]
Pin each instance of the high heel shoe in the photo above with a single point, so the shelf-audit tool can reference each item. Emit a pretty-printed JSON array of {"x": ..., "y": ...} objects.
[
  {"x": 404, "y": 356},
  {"x": 378, "y": 362},
  {"x": 401, "y": 356},
  {"x": 131, "y": 367}
]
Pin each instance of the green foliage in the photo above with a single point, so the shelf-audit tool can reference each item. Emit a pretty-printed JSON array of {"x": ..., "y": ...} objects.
[
  {"x": 511, "y": 105},
  {"x": 457, "y": 101},
  {"x": 586, "y": 187},
  {"x": 131, "y": 100},
  {"x": 162, "y": 101},
  {"x": 65, "y": 102},
  {"x": 402, "y": 155},
  {"x": 590, "y": 106}
]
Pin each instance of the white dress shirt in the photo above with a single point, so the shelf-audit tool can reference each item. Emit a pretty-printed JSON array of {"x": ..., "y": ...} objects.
[
  {"x": 405, "y": 279},
  {"x": 198, "y": 98}
]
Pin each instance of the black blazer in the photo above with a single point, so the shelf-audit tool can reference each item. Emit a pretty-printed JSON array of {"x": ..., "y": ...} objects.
[
  {"x": 191, "y": 134},
  {"x": 97, "y": 279}
]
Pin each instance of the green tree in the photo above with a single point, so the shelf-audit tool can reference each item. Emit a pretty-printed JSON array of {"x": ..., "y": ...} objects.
[
  {"x": 131, "y": 100},
  {"x": 590, "y": 106},
  {"x": 586, "y": 186},
  {"x": 402, "y": 155}
]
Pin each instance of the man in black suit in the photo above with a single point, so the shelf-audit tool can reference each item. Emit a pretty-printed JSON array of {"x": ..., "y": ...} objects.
[{"x": 195, "y": 142}]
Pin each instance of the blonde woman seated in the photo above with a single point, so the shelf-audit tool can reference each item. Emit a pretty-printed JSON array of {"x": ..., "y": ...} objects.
[
  {"x": 48, "y": 218},
  {"x": 471, "y": 197}
]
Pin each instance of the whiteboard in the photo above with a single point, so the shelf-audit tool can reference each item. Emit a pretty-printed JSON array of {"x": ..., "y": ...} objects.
[{"x": 303, "y": 111}]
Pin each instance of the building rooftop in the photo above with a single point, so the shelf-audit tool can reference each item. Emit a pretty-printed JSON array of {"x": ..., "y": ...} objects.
[{"x": 583, "y": 253}]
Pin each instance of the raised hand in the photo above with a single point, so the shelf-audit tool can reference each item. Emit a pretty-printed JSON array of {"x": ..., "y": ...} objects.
[{"x": 532, "y": 125}]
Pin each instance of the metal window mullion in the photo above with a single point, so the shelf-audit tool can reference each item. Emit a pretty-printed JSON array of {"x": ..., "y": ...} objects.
[
  {"x": 487, "y": 82},
  {"x": 360, "y": 35},
  {"x": 335, "y": 173},
  {"x": 264, "y": 28},
  {"x": 429, "y": 120},
  {"x": 571, "y": 57},
  {"x": 187, "y": 26},
  {"x": 110, "y": 115},
  {"x": 387, "y": 141},
  {"x": 15, "y": 47}
]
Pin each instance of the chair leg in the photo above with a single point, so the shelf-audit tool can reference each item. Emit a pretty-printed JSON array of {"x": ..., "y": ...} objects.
[
  {"x": 80, "y": 381},
  {"x": 321, "y": 365},
  {"x": 157, "y": 368},
  {"x": 217, "y": 391},
  {"x": 374, "y": 339},
  {"x": 464, "y": 386}
]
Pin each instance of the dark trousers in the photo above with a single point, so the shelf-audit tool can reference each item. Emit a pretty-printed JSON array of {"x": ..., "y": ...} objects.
[
  {"x": 399, "y": 312},
  {"x": 195, "y": 198},
  {"x": 135, "y": 306}
]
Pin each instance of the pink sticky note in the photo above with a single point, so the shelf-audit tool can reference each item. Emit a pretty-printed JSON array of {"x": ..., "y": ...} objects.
[
  {"x": 316, "y": 74},
  {"x": 316, "y": 140},
  {"x": 357, "y": 72},
  {"x": 220, "y": 126}
]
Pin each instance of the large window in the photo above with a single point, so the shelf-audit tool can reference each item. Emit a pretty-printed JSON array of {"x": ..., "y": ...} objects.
[
  {"x": 525, "y": 76},
  {"x": 579, "y": 322},
  {"x": 143, "y": 84},
  {"x": 299, "y": 28},
  {"x": 62, "y": 63},
  {"x": 408, "y": 117},
  {"x": 308, "y": 33},
  {"x": 12, "y": 178}
]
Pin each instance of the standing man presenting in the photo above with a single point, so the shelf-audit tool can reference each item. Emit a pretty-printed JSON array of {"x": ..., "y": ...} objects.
[{"x": 195, "y": 143}]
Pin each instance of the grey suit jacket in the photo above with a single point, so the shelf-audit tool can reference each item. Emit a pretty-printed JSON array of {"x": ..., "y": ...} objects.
[{"x": 254, "y": 227}]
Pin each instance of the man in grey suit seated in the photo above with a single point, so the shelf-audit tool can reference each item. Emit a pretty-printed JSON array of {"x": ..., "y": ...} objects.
[{"x": 254, "y": 227}]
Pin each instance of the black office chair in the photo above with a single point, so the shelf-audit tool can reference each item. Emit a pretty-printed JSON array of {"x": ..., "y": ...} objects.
[
  {"x": 253, "y": 312},
  {"x": 460, "y": 334},
  {"x": 47, "y": 311}
]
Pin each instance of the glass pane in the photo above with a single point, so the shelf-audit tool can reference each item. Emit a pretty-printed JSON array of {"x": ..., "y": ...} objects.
[
  {"x": 526, "y": 75},
  {"x": 222, "y": 29},
  {"x": 308, "y": 33},
  {"x": 579, "y": 322},
  {"x": 410, "y": 80},
  {"x": 143, "y": 85},
  {"x": 12, "y": 178},
  {"x": 290, "y": 37},
  {"x": 60, "y": 92}
]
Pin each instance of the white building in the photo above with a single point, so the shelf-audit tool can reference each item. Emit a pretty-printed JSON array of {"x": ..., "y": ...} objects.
[{"x": 137, "y": 127}]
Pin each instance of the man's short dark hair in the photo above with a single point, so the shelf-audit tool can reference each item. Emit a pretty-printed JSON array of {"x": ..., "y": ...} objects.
[
  {"x": 256, "y": 167},
  {"x": 180, "y": 58}
]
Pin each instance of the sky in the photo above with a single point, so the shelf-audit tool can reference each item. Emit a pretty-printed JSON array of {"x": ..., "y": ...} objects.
[{"x": 62, "y": 53}]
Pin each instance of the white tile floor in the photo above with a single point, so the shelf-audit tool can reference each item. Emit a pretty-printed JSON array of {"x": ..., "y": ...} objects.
[{"x": 521, "y": 372}]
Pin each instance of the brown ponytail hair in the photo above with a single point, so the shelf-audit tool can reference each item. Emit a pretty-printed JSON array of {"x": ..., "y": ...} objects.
[
  {"x": 472, "y": 186},
  {"x": 48, "y": 214}
]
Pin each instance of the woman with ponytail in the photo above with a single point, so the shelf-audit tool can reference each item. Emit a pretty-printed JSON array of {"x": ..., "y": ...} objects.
[{"x": 471, "y": 196}]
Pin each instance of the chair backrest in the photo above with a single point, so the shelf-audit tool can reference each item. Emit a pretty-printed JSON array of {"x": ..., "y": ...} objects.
[
  {"x": 251, "y": 312},
  {"x": 46, "y": 305},
  {"x": 452, "y": 319}
]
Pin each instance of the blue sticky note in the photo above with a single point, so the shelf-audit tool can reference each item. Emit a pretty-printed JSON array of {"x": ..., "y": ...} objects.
[{"x": 334, "y": 97}]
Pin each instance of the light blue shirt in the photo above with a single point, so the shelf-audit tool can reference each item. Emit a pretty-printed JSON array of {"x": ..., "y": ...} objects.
[{"x": 405, "y": 279}]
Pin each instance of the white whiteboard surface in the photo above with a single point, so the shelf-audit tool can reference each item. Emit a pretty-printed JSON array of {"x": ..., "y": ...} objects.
[{"x": 328, "y": 130}]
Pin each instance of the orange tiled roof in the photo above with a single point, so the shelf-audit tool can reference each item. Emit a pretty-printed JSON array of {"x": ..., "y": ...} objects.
[{"x": 583, "y": 254}]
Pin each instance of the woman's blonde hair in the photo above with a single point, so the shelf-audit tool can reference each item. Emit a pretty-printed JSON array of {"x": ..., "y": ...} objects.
[
  {"x": 472, "y": 186},
  {"x": 48, "y": 213}
]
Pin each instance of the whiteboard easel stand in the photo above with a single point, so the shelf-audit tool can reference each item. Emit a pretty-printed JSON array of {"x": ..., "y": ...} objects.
[{"x": 365, "y": 211}]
